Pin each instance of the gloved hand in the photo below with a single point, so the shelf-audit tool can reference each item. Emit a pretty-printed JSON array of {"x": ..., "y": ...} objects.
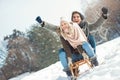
[
  {"x": 39, "y": 20},
  {"x": 104, "y": 12}
]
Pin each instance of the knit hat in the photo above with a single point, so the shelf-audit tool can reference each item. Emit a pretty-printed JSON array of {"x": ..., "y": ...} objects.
[{"x": 64, "y": 19}]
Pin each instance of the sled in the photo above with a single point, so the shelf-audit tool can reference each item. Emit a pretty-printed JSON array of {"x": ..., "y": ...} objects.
[{"x": 76, "y": 65}]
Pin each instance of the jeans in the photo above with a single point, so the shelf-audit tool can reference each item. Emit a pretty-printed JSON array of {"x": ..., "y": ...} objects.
[
  {"x": 92, "y": 42},
  {"x": 75, "y": 56},
  {"x": 63, "y": 58},
  {"x": 88, "y": 49},
  {"x": 64, "y": 62}
]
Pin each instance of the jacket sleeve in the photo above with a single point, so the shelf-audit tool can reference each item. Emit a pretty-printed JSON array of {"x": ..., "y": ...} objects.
[
  {"x": 49, "y": 26},
  {"x": 96, "y": 24},
  {"x": 66, "y": 46},
  {"x": 85, "y": 27}
]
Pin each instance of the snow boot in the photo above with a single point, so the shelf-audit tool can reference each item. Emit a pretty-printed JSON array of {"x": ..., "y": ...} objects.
[
  {"x": 71, "y": 78},
  {"x": 94, "y": 61},
  {"x": 68, "y": 73}
]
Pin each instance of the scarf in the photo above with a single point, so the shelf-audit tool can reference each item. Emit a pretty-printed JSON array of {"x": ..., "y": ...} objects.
[{"x": 76, "y": 36}]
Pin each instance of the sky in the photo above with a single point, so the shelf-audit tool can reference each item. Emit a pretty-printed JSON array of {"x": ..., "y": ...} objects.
[
  {"x": 21, "y": 14},
  {"x": 109, "y": 69}
]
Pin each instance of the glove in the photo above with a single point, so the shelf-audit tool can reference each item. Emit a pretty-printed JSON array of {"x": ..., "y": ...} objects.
[
  {"x": 69, "y": 61},
  {"x": 39, "y": 20},
  {"x": 104, "y": 12}
]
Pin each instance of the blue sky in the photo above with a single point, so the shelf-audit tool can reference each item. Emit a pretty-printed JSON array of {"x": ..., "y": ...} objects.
[{"x": 20, "y": 14}]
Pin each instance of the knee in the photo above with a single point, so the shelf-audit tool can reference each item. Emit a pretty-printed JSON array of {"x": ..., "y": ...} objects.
[{"x": 61, "y": 51}]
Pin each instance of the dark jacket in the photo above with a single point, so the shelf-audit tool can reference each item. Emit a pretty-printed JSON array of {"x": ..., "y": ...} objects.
[
  {"x": 67, "y": 47},
  {"x": 84, "y": 25}
]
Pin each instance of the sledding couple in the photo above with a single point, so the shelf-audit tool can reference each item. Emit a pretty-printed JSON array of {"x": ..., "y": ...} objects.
[{"x": 74, "y": 36}]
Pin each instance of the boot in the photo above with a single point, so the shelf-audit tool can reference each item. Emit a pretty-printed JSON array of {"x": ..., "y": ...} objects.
[
  {"x": 94, "y": 61},
  {"x": 71, "y": 78},
  {"x": 68, "y": 73}
]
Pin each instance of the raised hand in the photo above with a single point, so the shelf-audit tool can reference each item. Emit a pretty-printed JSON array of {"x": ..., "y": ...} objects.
[
  {"x": 104, "y": 12},
  {"x": 38, "y": 19}
]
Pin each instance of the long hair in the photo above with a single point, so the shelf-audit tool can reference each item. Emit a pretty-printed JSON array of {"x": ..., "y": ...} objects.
[
  {"x": 70, "y": 30},
  {"x": 76, "y": 12}
]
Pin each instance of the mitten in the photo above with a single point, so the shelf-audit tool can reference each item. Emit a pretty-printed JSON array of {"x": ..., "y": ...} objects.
[
  {"x": 104, "y": 12},
  {"x": 38, "y": 19}
]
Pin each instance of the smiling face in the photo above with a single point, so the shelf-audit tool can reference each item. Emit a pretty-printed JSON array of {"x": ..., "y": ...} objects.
[
  {"x": 64, "y": 26},
  {"x": 76, "y": 18}
]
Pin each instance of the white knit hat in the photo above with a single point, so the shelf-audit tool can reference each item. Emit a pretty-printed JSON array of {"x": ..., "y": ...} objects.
[{"x": 64, "y": 19}]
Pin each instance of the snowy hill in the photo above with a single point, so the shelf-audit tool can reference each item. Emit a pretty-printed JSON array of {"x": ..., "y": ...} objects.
[{"x": 109, "y": 68}]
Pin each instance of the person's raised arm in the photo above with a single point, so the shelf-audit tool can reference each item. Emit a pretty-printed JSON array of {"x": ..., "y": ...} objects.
[
  {"x": 45, "y": 24},
  {"x": 100, "y": 21}
]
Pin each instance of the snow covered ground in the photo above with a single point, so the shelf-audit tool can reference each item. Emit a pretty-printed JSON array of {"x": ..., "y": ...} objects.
[{"x": 109, "y": 68}]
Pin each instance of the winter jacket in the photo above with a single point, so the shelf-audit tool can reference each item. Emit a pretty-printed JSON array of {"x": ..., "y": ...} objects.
[{"x": 84, "y": 25}]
